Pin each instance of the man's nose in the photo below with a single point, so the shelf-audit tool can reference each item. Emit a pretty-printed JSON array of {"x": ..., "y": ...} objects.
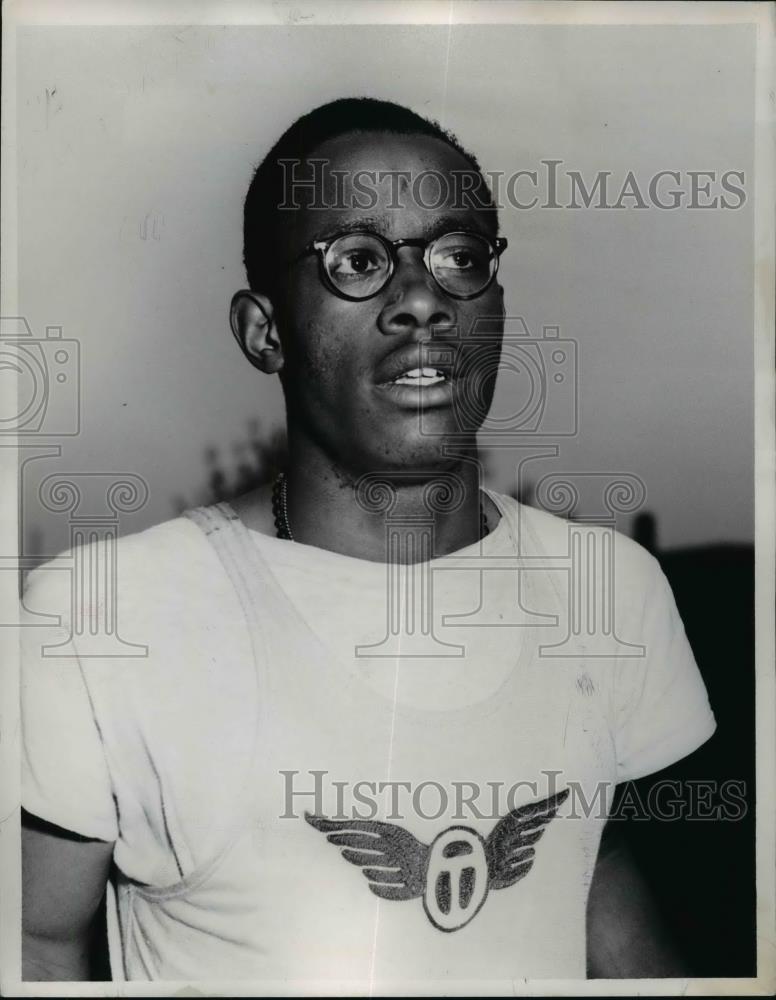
[{"x": 415, "y": 301}]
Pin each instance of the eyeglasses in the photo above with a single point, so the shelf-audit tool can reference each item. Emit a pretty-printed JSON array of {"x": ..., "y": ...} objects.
[{"x": 358, "y": 265}]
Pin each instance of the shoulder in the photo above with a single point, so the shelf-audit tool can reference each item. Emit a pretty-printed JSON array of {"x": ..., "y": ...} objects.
[
  {"x": 142, "y": 563},
  {"x": 544, "y": 534},
  {"x": 142, "y": 617}
]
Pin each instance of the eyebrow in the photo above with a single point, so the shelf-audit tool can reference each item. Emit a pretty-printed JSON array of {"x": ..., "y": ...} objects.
[{"x": 378, "y": 224}]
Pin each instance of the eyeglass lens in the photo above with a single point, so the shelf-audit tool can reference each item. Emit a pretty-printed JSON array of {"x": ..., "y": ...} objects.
[{"x": 359, "y": 264}]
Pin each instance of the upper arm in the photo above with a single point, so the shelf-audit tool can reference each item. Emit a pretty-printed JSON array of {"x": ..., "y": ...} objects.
[
  {"x": 626, "y": 938},
  {"x": 663, "y": 711},
  {"x": 63, "y": 882}
]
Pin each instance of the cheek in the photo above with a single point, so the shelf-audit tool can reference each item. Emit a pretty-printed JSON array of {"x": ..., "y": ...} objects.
[
  {"x": 316, "y": 361},
  {"x": 481, "y": 327},
  {"x": 480, "y": 358},
  {"x": 320, "y": 358},
  {"x": 324, "y": 339},
  {"x": 309, "y": 347},
  {"x": 484, "y": 315}
]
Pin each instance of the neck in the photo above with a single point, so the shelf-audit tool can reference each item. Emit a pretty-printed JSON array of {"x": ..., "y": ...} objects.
[{"x": 333, "y": 507}]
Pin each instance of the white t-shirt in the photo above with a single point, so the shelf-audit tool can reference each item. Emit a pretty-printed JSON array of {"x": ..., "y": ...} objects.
[{"x": 331, "y": 774}]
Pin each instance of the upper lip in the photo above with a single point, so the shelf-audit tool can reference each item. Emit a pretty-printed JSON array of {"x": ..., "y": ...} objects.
[{"x": 438, "y": 355}]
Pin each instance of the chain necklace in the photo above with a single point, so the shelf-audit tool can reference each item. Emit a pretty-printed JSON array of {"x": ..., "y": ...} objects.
[
  {"x": 280, "y": 510},
  {"x": 280, "y": 507}
]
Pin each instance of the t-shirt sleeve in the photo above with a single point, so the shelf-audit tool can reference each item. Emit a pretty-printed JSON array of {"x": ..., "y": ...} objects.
[
  {"x": 662, "y": 705},
  {"x": 64, "y": 778}
]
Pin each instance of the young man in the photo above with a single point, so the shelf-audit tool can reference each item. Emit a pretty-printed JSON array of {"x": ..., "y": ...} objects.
[{"x": 292, "y": 722}]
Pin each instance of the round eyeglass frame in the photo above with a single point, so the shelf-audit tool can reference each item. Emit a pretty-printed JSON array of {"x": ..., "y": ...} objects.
[{"x": 497, "y": 245}]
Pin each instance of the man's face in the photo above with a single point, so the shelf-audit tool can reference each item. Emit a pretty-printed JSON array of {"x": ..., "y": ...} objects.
[{"x": 342, "y": 357}]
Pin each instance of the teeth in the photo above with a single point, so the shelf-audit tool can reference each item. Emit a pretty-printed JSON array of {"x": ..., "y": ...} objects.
[{"x": 420, "y": 376}]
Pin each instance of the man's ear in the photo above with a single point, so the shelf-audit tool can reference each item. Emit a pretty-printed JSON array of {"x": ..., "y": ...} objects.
[{"x": 252, "y": 320}]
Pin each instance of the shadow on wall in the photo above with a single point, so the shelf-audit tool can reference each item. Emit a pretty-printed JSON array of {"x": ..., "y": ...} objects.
[{"x": 247, "y": 464}]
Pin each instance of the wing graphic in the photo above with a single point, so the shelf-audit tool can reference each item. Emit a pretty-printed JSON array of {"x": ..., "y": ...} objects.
[
  {"x": 391, "y": 858},
  {"x": 509, "y": 848}
]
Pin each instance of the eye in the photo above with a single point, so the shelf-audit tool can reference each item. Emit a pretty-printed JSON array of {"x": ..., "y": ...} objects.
[
  {"x": 461, "y": 258},
  {"x": 355, "y": 262},
  {"x": 356, "y": 258}
]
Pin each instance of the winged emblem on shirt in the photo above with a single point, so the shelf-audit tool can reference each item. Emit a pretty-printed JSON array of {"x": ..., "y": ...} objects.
[{"x": 454, "y": 873}]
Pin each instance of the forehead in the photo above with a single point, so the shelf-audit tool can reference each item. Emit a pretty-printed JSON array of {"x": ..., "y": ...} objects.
[
  {"x": 400, "y": 185},
  {"x": 391, "y": 151}
]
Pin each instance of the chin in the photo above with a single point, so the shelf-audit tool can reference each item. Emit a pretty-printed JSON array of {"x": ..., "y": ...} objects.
[{"x": 428, "y": 452}]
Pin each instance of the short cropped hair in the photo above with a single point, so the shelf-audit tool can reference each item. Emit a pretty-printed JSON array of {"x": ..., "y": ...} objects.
[{"x": 350, "y": 114}]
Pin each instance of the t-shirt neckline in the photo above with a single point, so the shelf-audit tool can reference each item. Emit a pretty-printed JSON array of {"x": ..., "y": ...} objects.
[
  {"x": 475, "y": 548},
  {"x": 329, "y": 661}
]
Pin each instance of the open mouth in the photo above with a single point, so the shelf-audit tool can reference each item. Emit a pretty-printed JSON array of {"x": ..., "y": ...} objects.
[{"x": 420, "y": 377}]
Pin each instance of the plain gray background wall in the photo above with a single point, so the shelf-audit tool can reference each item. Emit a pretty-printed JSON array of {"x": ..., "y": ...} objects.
[{"x": 135, "y": 149}]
